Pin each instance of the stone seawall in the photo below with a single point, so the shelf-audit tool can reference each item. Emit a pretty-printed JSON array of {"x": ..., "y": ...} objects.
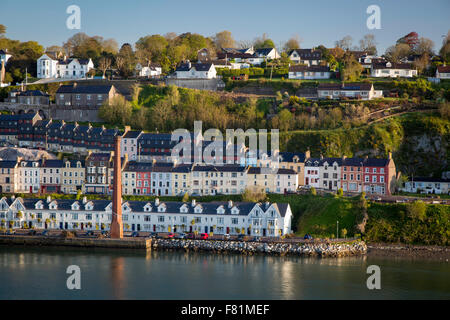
[
  {"x": 276, "y": 248},
  {"x": 76, "y": 242}
]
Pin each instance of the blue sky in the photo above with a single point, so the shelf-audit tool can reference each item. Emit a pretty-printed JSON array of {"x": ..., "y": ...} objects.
[{"x": 315, "y": 22}]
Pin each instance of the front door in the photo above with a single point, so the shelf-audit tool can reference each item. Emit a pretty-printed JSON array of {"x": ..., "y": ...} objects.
[
  {"x": 66, "y": 225},
  {"x": 206, "y": 229},
  {"x": 82, "y": 226},
  {"x": 138, "y": 227},
  {"x": 330, "y": 186},
  {"x": 264, "y": 232},
  {"x": 60, "y": 226},
  {"x": 132, "y": 227}
]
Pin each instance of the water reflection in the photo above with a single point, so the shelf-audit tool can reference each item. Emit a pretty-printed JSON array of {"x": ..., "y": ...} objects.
[
  {"x": 118, "y": 277},
  {"x": 39, "y": 273}
]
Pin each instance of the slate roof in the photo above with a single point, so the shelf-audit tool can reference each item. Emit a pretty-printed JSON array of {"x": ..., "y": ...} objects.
[
  {"x": 132, "y": 134},
  {"x": 208, "y": 208},
  {"x": 87, "y": 89},
  {"x": 196, "y": 66},
  {"x": 53, "y": 164},
  {"x": 363, "y": 86},
  {"x": 289, "y": 156},
  {"x": 263, "y": 51},
  {"x": 7, "y": 164},
  {"x": 307, "y": 54}
]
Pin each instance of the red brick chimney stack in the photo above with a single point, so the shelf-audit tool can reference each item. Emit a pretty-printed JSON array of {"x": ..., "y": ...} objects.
[{"x": 116, "y": 223}]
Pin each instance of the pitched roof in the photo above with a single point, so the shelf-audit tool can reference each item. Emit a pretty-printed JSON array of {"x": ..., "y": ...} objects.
[
  {"x": 364, "y": 86},
  {"x": 93, "y": 89},
  {"x": 300, "y": 68},
  {"x": 443, "y": 69},
  {"x": 392, "y": 65}
]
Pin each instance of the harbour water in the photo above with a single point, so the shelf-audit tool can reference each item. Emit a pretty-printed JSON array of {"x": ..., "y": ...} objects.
[{"x": 40, "y": 273}]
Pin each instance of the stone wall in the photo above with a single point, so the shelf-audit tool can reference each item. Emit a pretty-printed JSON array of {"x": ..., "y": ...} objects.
[
  {"x": 322, "y": 249},
  {"x": 201, "y": 84},
  {"x": 76, "y": 242}
]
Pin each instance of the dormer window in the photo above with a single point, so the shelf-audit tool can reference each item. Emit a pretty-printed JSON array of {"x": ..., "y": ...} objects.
[
  {"x": 234, "y": 210},
  {"x": 198, "y": 209}
]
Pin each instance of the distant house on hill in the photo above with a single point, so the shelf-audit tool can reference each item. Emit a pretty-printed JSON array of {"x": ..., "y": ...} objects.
[
  {"x": 84, "y": 95},
  {"x": 152, "y": 70},
  {"x": 30, "y": 97},
  {"x": 309, "y": 72},
  {"x": 309, "y": 57},
  {"x": 360, "y": 90},
  {"x": 49, "y": 66},
  {"x": 393, "y": 70},
  {"x": 190, "y": 70},
  {"x": 443, "y": 72}
]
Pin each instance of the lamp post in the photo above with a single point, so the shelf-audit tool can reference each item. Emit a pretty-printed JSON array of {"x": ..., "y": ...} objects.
[{"x": 337, "y": 230}]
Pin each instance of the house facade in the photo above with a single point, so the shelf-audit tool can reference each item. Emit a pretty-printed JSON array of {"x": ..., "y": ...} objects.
[
  {"x": 313, "y": 72},
  {"x": 427, "y": 185},
  {"x": 308, "y": 57},
  {"x": 393, "y": 70},
  {"x": 361, "y": 91},
  {"x": 84, "y": 95},
  {"x": 190, "y": 70},
  {"x": 267, "y": 219},
  {"x": 49, "y": 66},
  {"x": 443, "y": 72}
]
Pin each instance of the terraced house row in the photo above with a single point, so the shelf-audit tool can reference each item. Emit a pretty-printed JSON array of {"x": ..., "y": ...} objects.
[
  {"x": 259, "y": 219},
  {"x": 94, "y": 174}
]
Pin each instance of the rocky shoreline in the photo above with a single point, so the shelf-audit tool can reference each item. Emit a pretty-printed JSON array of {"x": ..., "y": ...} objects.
[
  {"x": 408, "y": 251},
  {"x": 322, "y": 249}
]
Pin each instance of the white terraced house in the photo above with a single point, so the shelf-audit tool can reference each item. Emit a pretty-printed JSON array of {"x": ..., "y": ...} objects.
[
  {"x": 258, "y": 219},
  {"x": 49, "y": 66}
]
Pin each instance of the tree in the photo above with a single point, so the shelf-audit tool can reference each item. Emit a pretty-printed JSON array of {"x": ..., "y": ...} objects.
[
  {"x": 397, "y": 52},
  {"x": 292, "y": 43},
  {"x": 313, "y": 191},
  {"x": 344, "y": 233},
  {"x": 151, "y": 49},
  {"x": 116, "y": 111},
  {"x": 125, "y": 60},
  {"x": 186, "y": 197},
  {"x": 263, "y": 42},
  {"x": 350, "y": 68},
  {"x": 445, "y": 49},
  {"x": 411, "y": 39},
  {"x": 368, "y": 44},
  {"x": 424, "y": 46},
  {"x": 2, "y": 30},
  {"x": 224, "y": 39},
  {"x": 254, "y": 194},
  {"x": 104, "y": 64},
  {"x": 285, "y": 117},
  {"x": 444, "y": 110},
  {"x": 422, "y": 62},
  {"x": 417, "y": 210},
  {"x": 345, "y": 43}
]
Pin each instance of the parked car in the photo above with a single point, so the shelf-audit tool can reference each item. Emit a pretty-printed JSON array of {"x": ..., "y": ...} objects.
[
  {"x": 170, "y": 235},
  {"x": 241, "y": 237},
  {"x": 181, "y": 236},
  {"x": 89, "y": 233},
  {"x": 135, "y": 234},
  {"x": 204, "y": 236},
  {"x": 44, "y": 233},
  {"x": 153, "y": 235},
  {"x": 226, "y": 236},
  {"x": 257, "y": 238},
  {"x": 32, "y": 232},
  {"x": 307, "y": 237},
  {"x": 191, "y": 236}
]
